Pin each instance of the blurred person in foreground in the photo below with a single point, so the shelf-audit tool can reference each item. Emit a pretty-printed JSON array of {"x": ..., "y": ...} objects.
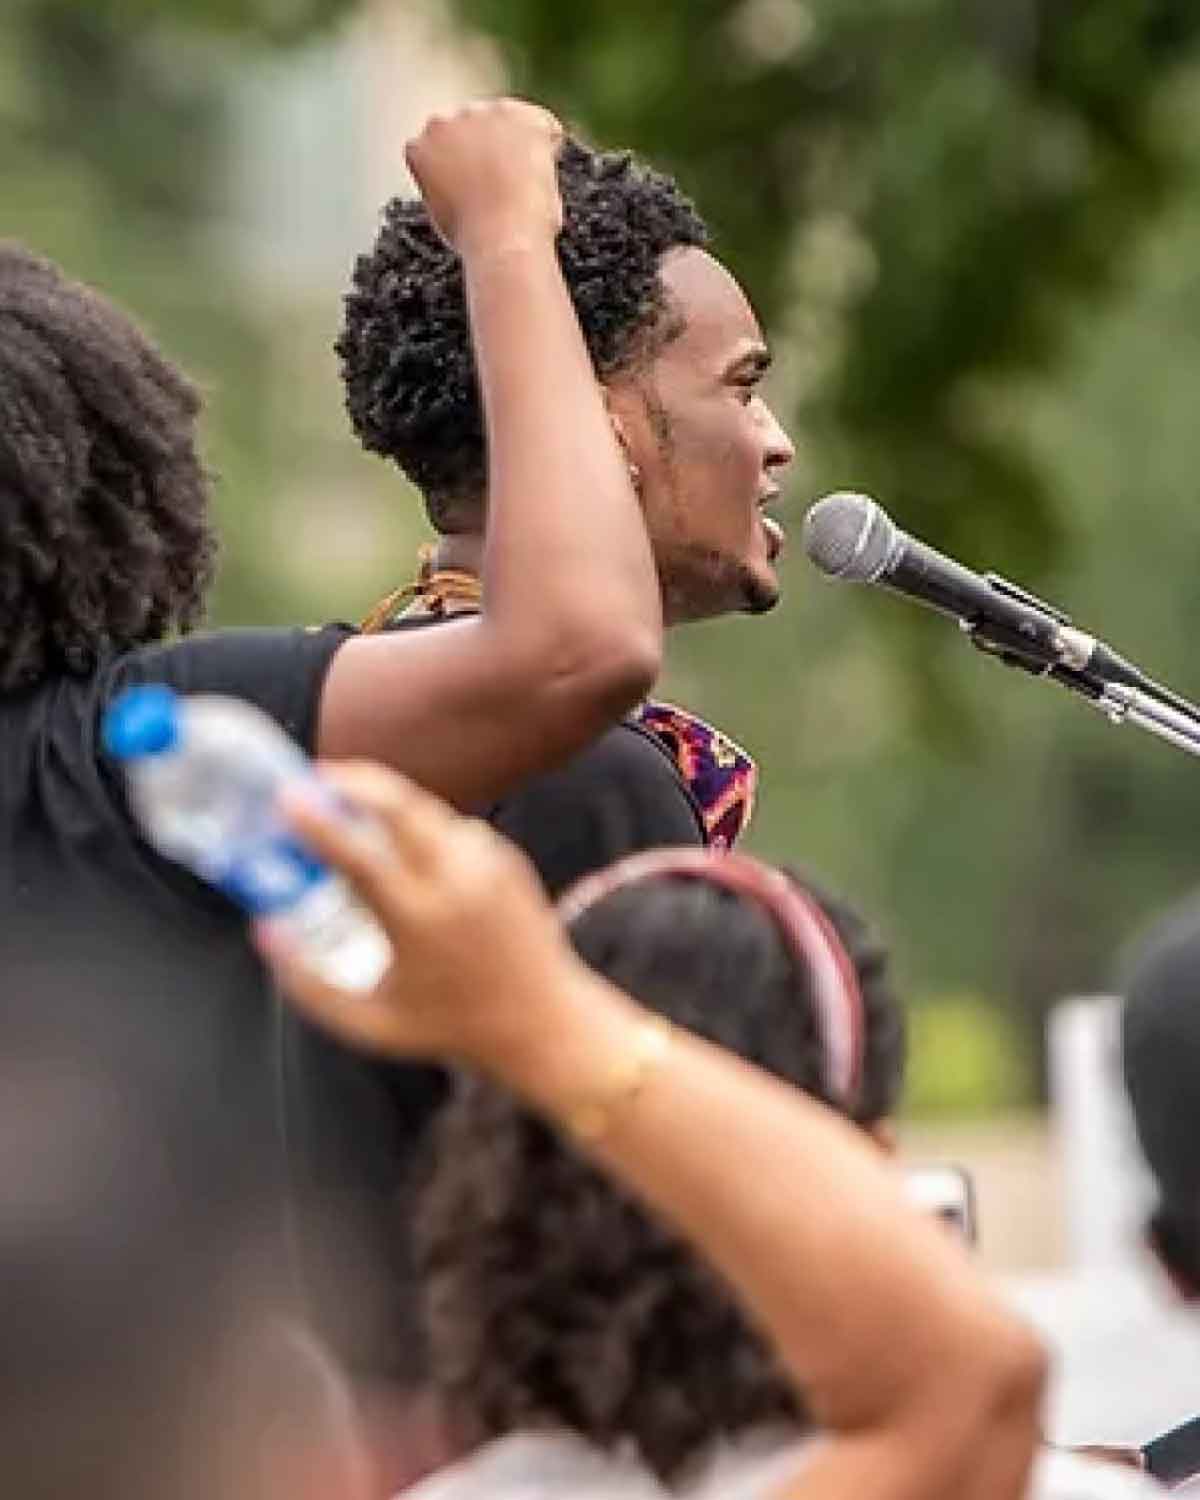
[
  {"x": 1160, "y": 1036},
  {"x": 694, "y": 938},
  {"x": 577, "y": 1348},
  {"x": 106, "y": 549},
  {"x": 680, "y": 359},
  {"x": 141, "y": 1356},
  {"x": 1160, "y": 1046}
]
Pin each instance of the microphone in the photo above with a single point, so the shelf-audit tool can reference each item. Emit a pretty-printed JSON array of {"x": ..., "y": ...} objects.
[{"x": 852, "y": 538}]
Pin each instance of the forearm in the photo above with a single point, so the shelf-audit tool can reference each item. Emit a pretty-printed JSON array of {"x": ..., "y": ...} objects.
[
  {"x": 881, "y": 1322},
  {"x": 566, "y": 548}
]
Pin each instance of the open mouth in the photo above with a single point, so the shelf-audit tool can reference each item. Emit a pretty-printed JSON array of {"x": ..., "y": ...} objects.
[{"x": 776, "y": 537}]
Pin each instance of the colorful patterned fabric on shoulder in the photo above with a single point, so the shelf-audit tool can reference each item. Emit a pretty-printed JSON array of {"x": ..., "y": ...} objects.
[{"x": 720, "y": 775}]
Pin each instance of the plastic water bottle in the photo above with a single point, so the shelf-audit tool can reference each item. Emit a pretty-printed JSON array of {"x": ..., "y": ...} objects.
[{"x": 204, "y": 775}]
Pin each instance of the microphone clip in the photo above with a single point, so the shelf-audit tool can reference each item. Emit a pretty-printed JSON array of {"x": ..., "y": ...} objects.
[
  {"x": 1077, "y": 661},
  {"x": 1030, "y": 637},
  {"x": 1066, "y": 656}
]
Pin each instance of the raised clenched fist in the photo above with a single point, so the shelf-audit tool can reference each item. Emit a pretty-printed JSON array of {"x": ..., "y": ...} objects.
[{"x": 487, "y": 174}]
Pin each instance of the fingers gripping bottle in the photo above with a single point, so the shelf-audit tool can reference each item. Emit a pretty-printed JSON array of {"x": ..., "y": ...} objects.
[{"x": 204, "y": 776}]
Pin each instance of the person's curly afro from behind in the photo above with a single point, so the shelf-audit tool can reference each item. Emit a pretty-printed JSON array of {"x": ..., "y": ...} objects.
[
  {"x": 405, "y": 346},
  {"x": 550, "y": 1299},
  {"x": 104, "y": 535}
]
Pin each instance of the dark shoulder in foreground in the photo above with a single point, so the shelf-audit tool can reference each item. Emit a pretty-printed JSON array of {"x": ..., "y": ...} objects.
[{"x": 281, "y": 671}]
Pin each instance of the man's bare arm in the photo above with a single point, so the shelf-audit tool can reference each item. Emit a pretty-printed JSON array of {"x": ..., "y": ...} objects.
[{"x": 570, "y": 634}]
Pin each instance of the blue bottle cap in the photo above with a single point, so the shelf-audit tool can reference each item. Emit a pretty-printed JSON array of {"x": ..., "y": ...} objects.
[{"x": 142, "y": 721}]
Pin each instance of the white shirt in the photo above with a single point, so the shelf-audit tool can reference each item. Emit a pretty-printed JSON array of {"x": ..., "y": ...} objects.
[
  {"x": 1069, "y": 1476},
  {"x": 560, "y": 1466}
]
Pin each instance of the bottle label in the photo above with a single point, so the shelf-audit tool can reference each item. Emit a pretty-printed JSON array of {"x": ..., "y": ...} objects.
[
  {"x": 270, "y": 876},
  {"x": 339, "y": 938}
]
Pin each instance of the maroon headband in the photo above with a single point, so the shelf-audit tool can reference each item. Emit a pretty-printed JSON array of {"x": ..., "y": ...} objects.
[{"x": 808, "y": 932}]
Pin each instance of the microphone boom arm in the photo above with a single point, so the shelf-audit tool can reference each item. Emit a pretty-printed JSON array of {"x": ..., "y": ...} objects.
[
  {"x": 1143, "y": 702},
  {"x": 1123, "y": 704}
]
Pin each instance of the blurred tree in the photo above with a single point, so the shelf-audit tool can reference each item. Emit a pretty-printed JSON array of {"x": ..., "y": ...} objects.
[
  {"x": 1014, "y": 866},
  {"x": 115, "y": 88},
  {"x": 932, "y": 178},
  {"x": 258, "y": 20},
  {"x": 929, "y": 199},
  {"x": 115, "y": 152}
]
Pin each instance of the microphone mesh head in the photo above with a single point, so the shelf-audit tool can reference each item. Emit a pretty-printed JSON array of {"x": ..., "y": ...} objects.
[{"x": 848, "y": 536}]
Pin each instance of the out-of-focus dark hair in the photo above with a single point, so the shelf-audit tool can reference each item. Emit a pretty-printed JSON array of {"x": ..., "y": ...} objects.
[
  {"x": 550, "y": 1297},
  {"x": 104, "y": 536},
  {"x": 1160, "y": 1046}
]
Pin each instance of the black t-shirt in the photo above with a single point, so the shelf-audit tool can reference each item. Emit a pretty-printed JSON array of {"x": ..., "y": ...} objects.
[
  {"x": 88, "y": 908},
  {"x": 353, "y": 1124}
]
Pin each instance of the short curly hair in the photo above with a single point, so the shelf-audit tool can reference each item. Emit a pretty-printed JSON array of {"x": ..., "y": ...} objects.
[
  {"x": 550, "y": 1297},
  {"x": 104, "y": 535},
  {"x": 405, "y": 346}
]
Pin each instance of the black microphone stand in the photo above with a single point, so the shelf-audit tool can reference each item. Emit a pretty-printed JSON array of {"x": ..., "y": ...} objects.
[{"x": 1122, "y": 693}]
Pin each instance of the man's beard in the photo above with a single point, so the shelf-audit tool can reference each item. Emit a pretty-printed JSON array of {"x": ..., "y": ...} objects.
[
  {"x": 700, "y": 584},
  {"x": 761, "y": 595}
]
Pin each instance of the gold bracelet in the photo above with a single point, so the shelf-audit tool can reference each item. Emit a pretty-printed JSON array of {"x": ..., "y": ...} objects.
[{"x": 590, "y": 1121}]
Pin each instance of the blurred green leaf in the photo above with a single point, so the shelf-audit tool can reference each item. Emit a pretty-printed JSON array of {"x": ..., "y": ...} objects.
[{"x": 966, "y": 1059}]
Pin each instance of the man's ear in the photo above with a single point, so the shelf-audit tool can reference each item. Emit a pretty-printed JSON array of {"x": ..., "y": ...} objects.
[{"x": 616, "y": 420}]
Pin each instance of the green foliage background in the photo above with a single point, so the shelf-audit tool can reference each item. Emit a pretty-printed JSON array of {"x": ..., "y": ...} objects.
[{"x": 973, "y": 228}]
